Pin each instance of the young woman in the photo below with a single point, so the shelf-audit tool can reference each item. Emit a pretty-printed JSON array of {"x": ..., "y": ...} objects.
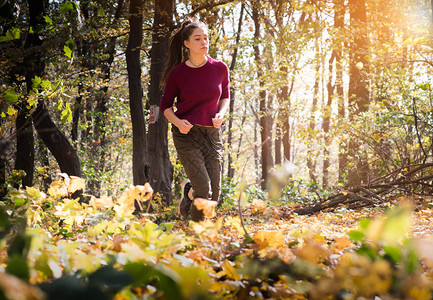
[{"x": 200, "y": 86}]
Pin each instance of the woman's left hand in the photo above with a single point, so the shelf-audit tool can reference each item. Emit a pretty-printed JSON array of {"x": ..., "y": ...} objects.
[{"x": 218, "y": 120}]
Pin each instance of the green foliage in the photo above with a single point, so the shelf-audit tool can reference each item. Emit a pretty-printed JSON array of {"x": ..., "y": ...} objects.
[
  {"x": 11, "y": 96},
  {"x": 383, "y": 238},
  {"x": 228, "y": 191},
  {"x": 11, "y": 34},
  {"x": 165, "y": 280}
]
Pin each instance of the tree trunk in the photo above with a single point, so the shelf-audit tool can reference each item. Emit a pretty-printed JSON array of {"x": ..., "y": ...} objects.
[
  {"x": 44, "y": 161},
  {"x": 312, "y": 146},
  {"x": 32, "y": 66},
  {"x": 56, "y": 141},
  {"x": 339, "y": 9},
  {"x": 230, "y": 169},
  {"x": 327, "y": 110},
  {"x": 358, "y": 91},
  {"x": 161, "y": 169},
  {"x": 278, "y": 144},
  {"x": 431, "y": 8},
  {"x": 140, "y": 168},
  {"x": 25, "y": 157},
  {"x": 265, "y": 128},
  {"x": 285, "y": 112}
]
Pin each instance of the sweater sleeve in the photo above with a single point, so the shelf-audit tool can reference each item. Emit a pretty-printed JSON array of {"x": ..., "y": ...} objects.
[
  {"x": 171, "y": 91},
  {"x": 225, "y": 83}
]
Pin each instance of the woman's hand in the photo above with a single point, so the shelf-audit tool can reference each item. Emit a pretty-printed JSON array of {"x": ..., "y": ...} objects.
[
  {"x": 184, "y": 126},
  {"x": 218, "y": 120}
]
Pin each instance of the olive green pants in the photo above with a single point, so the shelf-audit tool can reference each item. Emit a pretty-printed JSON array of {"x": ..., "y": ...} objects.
[{"x": 200, "y": 153}]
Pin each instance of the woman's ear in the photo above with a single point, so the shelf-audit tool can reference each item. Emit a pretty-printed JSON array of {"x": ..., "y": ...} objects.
[{"x": 186, "y": 43}]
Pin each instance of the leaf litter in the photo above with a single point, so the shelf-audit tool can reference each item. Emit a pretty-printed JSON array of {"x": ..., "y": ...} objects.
[{"x": 338, "y": 255}]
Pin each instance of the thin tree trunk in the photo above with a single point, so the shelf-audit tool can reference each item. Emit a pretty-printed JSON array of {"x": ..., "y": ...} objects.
[
  {"x": 312, "y": 147},
  {"x": 230, "y": 169},
  {"x": 431, "y": 8},
  {"x": 77, "y": 111},
  {"x": 244, "y": 118},
  {"x": 139, "y": 146},
  {"x": 278, "y": 143},
  {"x": 265, "y": 130},
  {"x": 161, "y": 169},
  {"x": 287, "y": 144},
  {"x": 339, "y": 11},
  {"x": 326, "y": 122}
]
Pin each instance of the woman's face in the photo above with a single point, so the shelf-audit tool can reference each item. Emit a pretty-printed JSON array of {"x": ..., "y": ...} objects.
[{"x": 198, "y": 42}]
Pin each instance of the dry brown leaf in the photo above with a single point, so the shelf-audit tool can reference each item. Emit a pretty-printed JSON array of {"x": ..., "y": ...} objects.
[{"x": 118, "y": 240}]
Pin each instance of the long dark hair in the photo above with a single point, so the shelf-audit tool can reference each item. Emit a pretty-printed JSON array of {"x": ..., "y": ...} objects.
[{"x": 177, "y": 52}]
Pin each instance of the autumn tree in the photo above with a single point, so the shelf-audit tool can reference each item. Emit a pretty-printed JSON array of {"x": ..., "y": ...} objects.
[
  {"x": 265, "y": 125},
  {"x": 32, "y": 69},
  {"x": 358, "y": 89},
  {"x": 161, "y": 169},
  {"x": 140, "y": 166}
]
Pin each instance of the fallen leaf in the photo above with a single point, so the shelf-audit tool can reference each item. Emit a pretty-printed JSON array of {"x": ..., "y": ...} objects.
[{"x": 207, "y": 206}]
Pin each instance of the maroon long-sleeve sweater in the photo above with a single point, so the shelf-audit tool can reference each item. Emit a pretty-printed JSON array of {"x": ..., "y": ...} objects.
[{"x": 198, "y": 91}]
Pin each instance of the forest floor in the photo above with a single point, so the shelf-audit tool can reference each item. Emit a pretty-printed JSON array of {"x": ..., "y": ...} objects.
[{"x": 270, "y": 253}]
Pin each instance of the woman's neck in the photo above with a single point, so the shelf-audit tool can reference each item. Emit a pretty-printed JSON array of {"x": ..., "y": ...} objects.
[{"x": 198, "y": 60}]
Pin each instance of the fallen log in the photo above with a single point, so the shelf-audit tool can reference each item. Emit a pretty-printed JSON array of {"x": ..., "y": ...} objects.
[{"x": 378, "y": 191}]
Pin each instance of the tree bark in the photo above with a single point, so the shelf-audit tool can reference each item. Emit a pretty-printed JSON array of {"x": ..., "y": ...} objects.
[
  {"x": 161, "y": 169},
  {"x": 230, "y": 169},
  {"x": 32, "y": 65},
  {"x": 140, "y": 167},
  {"x": 278, "y": 143},
  {"x": 265, "y": 128},
  {"x": 327, "y": 110},
  {"x": 358, "y": 91},
  {"x": 25, "y": 156},
  {"x": 339, "y": 10},
  {"x": 312, "y": 147},
  {"x": 56, "y": 141}
]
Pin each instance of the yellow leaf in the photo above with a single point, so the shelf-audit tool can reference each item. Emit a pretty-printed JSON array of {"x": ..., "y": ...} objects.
[
  {"x": 57, "y": 189},
  {"x": 76, "y": 183},
  {"x": 207, "y": 206},
  {"x": 11, "y": 111},
  {"x": 104, "y": 202},
  {"x": 312, "y": 251},
  {"x": 258, "y": 205},
  {"x": 126, "y": 202},
  {"x": 34, "y": 193},
  {"x": 86, "y": 262},
  {"x": 230, "y": 271},
  {"x": 269, "y": 239}
]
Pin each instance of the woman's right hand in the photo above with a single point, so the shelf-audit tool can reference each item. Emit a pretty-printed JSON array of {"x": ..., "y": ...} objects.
[{"x": 184, "y": 126}]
